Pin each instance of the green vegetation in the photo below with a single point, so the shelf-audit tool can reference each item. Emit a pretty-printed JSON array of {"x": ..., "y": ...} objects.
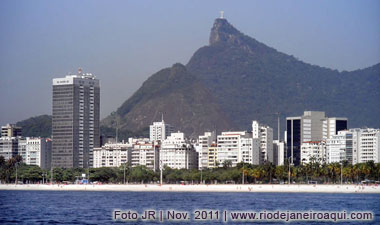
[
  {"x": 123, "y": 133},
  {"x": 38, "y": 126},
  {"x": 263, "y": 174},
  {"x": 177, "y": 94}
]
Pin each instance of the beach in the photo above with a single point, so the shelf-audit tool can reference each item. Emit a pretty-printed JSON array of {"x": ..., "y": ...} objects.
[{"x": 280, "y": 188}]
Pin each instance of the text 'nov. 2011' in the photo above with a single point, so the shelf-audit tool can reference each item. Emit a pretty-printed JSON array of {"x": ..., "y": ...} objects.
[{"x": 240, "y": 216}]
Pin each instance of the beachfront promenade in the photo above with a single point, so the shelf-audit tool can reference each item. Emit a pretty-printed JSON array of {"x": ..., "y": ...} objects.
[{"x": 294, "y": 188}]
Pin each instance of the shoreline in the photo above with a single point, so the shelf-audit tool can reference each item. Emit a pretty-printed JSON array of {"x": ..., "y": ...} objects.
[{"x": 279, "y": 188}]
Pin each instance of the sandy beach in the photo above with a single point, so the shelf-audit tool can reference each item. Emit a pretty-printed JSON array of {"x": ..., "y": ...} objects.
[{"x": 294, "y": 188}]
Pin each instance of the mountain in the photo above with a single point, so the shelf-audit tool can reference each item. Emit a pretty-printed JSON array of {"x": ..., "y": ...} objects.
[
  {"x": 176, "y": 94},
  {"x": 234, "y": 80},
  {"x": 252, "y": 81},
  {"x": 38, "y": 126}
]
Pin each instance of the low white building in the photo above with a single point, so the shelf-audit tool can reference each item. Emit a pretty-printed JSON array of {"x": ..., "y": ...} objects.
[
  {"x": 8, "y": 147},
  {"x": 178, "y": 153},
  {"x": 313, "y": 151},
  {"x": 112, "y": 155},
  {"x": 145, "y": 153},
  {"x": 336, "y": 147},
  {"x": 357, "y": 145},
  {"x": 366, "y": 145},
  {"x": 38, "y": 152},
  {"x": 238, "y": 146},
  {"x": 136, "y": 152},
  {"x": 34, "y": 151}
]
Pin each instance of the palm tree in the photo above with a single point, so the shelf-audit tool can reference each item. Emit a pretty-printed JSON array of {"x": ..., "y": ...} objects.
[
  {"x": 372, "y": 167},
  {"x": 330, "y": 172},
  {"x": 269, "y": 170},
  {"x": 280, "y": 172},
  {"x": 317, "y": 170},
  {"x": 227, "y": 164},
  {"x": 348, "y": 172},
  {"x": 356, "y": 172},
  {"x": 325, "y": 172},
  {"x": 378, "y": 171},
  {"x": 245, "y": 172},
  {"x": 365, "y": 169},
  {"x": 310, "y": 166},
  {"x": 337, "y": 168},
  {"x": 256, "y": 173}
]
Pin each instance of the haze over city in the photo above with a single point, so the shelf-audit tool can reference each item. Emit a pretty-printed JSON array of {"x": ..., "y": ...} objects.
[{"x": 124, "y": 42}]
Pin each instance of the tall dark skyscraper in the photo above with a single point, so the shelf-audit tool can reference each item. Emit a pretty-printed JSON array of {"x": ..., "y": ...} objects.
[{"x": 75, "y": 125}]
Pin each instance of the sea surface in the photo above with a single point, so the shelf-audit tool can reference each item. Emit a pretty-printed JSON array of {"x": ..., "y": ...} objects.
[{"x": 86, "y": 207}]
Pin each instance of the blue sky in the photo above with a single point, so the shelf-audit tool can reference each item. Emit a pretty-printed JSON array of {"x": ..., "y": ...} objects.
[{"x": 124, "y": 42}]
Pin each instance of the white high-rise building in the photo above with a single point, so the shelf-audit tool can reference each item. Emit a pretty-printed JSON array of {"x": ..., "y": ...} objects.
[
  {"x": 178, "y": 153},
  {"x": 238, "y": 146},
  {"x": 250, "y": 150},
  {"x": 159, "y": 131},
  {"x": 313, "y": 151},
  {"x": 265, "y": 135}
]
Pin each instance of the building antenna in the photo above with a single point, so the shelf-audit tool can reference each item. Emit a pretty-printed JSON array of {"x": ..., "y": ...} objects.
[
  {"x": 216, "y": 134},
  {"x": 117, "y": 128},
  {"x": 162, "y": 117},
  {"x": 278, "y": 125},
  {"x": 221, "y": 14}
]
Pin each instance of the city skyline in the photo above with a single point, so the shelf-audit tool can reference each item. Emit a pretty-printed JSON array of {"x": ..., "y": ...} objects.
[{"x": 351, "y": 23}]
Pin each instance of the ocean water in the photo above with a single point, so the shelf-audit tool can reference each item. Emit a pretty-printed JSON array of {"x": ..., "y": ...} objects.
[{"x": 80, "y": 207}]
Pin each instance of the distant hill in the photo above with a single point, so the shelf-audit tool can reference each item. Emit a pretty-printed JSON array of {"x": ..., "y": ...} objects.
[
  {"x": 174, "y": 92},
  {"x": 38, "y": 126},
  {"x": 253, "y": 81}
]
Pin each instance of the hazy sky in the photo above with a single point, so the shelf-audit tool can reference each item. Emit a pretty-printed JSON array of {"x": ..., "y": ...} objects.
[{"x": 124, "y": 42}]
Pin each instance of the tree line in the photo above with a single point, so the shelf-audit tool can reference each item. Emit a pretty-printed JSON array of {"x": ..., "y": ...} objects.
[{"x": 247, "y": 173}]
